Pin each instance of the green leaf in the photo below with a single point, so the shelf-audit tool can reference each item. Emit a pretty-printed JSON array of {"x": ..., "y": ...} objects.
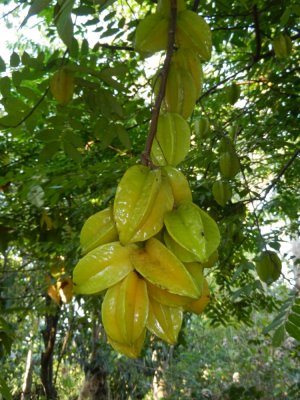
[
  {"x": 296, "y": 309},
  {"x": 4, "y": 390},
  {"x": 72, "y": 152},
  {"x": 63, "y": 21},
  {"x": 278, "y": 336},
  {"x": 49, "y": 150},
  {"x": 5, "y": 85},
  {"x": 36, "y": 7},
  {"x": 14, "y": 59},
  {"x": 293, "y": 330},
  {"x": 123, "y": 136},
  {"x": 295, "y": 319},
  {"x": 2, "y": 65}
]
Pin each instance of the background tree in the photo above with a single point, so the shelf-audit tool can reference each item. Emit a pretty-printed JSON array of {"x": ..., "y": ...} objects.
[{"x": 62, "y": 163}]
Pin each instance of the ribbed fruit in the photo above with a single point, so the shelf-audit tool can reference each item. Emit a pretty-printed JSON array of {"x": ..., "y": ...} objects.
[
  {"x": 229, "y": 164},
  {"x": 188, "y": 60},
  {"x": 172, "y": 140},
  {"x": 282, "y": 45},
  {"x": 162, "y": 296},
  {"x": 180, "y": 252},
  {"x": 198, "y": 306},
  {"x": 62, "y": 86},
  {"x": 202, "y": 127},
  {"x": 164, "y": 322},
  {"x": 268, "y": 266},
  {"x": 193, "y": 32},
  {"x": 99, "y": 228},
  {"x": 131, "y": 351},
  {"x": 193, "y": 229},
  {"x": 232, "y": 93},
  {"x": 152, "y": 34},
  {"x": 180, "y": 96},
  {"x": 221, "y": 192},
  {"x": 102, "y": 267},
  {"x": 159, "y": 266},
  {"x": 125, "y": 310},
  {"x": 179, "y": 184},
  {"x": 141, "y": 200}
]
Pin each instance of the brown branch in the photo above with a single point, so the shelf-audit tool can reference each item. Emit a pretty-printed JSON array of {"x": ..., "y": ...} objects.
[
  {"x": 195, "y": 5},
  {"x": 257, "y": 34},
  {"x": 145, "y": 158},
  {"x": 115, "y": 47}
]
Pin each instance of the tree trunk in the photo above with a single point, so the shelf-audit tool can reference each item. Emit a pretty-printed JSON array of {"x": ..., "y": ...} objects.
[
  {"x": 26, "y": 388},
  {"x": 158, "y": 384},
  {"x": 49, "y": 336}
]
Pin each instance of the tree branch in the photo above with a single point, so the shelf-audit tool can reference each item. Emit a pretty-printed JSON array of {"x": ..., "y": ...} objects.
[
  {"x": 29, "y": 113},
  {"x": 257, "y": 34},
  {"x": 195, "y": 5},
  {"x": 280, "y": 173},
  {"x": 145, "y": 158}
]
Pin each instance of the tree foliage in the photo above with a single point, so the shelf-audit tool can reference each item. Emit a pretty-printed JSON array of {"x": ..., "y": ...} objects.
[{"x": 62, "y": 163}]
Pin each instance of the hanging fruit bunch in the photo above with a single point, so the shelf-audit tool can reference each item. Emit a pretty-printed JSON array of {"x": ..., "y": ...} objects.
[{"x": 147, "y": 251}]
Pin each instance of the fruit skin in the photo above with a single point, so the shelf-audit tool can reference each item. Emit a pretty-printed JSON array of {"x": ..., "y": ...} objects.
[
  {"x": 165, "y": 322},
  {"x": 194, "y": 33},
  {"x": 193, "y": 229},
  {"x": 268, "y": 266},
  {"x": 172, "y": 140},
  {"x": 229, "y": 164},
  {"x": 102, "y": 267},
  {"x": 180, "y": 95},
  {"x": 131, "y": 351},
  {"x": 180, "y": 252},
  {"x": 188, "y": 60},
  {"x": 159, "y": 266},
  {"x": 221, "y": 192},
  {"x": 202, "y": 127},
  {"x": 98, "y": 229},
  {"x": 198, "y": 306},
  {"x": 125, "y": 310},
  {"x": 232, "y": 93},
  {"x": 141, "y": 200},
  {"x": 152, "y": 34},
  {"x": 282, "y": 45},
  {"x": 62, "y": 86},
  {"x": 179, "y": 184},
  {"x": 166, "y": 298}
]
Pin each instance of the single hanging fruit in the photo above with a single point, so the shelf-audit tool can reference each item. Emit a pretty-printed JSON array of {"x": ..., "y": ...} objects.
[
  {"x": 268, "y": 266},
  {"x": 102, "y": 267},
  {"x": 282, "y": 45},
  {"x": 142, "y": 199},
  {"x": 188, "y": 60},
  {"x": 98, "y": 229},
  {"x": 159, "y": 266},
  {"x": 62, "y": 86},
  {"x": 125, "y": 310},
  {"x": 193, "y": 32},
  {"x": 164, "y": 322},
  {"x": 221, "y": 192},
  {"x": 229, "y": 164},
  {"x": 193, "y": 230},
  {"x": 152, "y": 34},
  {"x": 179, "y": 184},
  {"x": 172, "y": 140}
]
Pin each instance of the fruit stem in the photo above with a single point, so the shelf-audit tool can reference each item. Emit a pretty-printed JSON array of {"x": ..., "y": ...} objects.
[{"x": 145, "y": 158}]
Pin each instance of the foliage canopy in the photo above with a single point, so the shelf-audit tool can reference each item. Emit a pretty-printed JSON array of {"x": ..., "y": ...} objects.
[{"x": 62, "y": 163}]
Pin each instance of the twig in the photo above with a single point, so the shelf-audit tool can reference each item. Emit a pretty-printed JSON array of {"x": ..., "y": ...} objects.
[
  {"x": 145, "y": 158},
  {"x": 195, "y": 5},
  {"x": 257, "y": 34},
  {"x": 115, "y": 47},
  {"x": 280, "y": 174},
  {"x": 29, "y": 113}
]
